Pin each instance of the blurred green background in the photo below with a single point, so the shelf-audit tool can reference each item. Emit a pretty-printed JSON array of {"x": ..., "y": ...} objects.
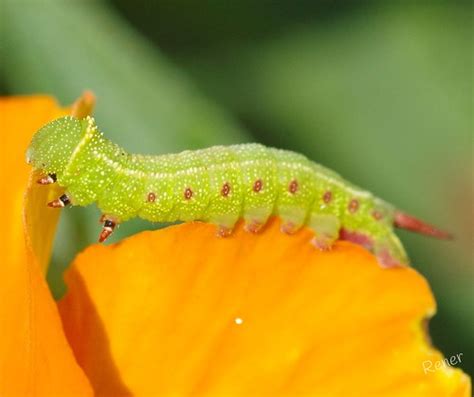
[{"x": 379, "y": 91}]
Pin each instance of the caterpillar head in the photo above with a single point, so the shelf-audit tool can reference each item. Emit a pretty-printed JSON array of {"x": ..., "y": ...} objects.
[{"x": 53, "y": 144}]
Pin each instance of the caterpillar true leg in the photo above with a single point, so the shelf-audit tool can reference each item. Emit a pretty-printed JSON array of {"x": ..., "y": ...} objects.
[
  {"x": 107, "y": 230},
  {"x": 326, "y": 228},
  {"x": 47, "y": 180},
  {"x": 60, "y": 202}
]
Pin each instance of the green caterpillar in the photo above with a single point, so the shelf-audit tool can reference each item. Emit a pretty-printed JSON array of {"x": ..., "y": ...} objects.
[{"x": 218, "y": 185}]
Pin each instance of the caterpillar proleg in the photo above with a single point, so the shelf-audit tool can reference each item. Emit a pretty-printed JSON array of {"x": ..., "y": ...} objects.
[{"x": 221, "y": 185}]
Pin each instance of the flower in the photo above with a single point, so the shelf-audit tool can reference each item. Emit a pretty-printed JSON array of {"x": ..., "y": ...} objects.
[
  {"x": 35, "y": 357},
  {"x": 181, "y": 312}
]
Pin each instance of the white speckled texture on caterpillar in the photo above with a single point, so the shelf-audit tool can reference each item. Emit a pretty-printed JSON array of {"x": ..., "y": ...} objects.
[{"x": 219, "y": 185}]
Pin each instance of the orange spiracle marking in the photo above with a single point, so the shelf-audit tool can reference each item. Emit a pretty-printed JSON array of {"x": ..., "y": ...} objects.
[
  {"x": 225, "y": 189},
  {"x": 327, "y": 197},
  {"x": 293, "y": 187},
  {"x": 353, "y": 205},
  {"x": 377, "y": 215},
  {"x": 258, "y": 185},
  {"x": 151, "y": 197},
  {"x": 188, "y": 193}
]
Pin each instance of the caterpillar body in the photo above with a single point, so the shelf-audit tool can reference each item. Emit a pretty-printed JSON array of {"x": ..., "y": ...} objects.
[{"x": 219, "y": 185}]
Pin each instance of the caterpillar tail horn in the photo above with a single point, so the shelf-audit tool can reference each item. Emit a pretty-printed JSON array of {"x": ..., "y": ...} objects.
[{"x": 408, "y": 222}]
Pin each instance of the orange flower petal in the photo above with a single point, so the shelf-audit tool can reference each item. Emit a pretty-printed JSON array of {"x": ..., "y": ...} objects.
[
  {"x": 20, "y": 117},
  {"x": 181, "y": 312},
  {"x": 35, "y": 359}
]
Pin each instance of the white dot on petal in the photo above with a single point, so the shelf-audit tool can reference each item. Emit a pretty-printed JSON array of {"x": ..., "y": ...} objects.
[{"x": 238, "y": 321}]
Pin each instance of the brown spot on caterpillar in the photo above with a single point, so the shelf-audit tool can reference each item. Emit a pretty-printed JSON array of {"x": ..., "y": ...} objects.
[
  {"x": 353, "y": 205},
  {"x": 188, "y": 193},
  {"x": 377, "y": 215},
  {"x": 257, "y": 186},
  {"x": 293, "y": 187},
  {"x": 151, "y": 197},
  {"x": 225, "y": 189},
  {"x": 327, "y": 197}
]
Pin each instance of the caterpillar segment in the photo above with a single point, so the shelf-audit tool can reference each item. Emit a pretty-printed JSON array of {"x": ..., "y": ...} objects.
[{"x": 219, "y": 185}]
